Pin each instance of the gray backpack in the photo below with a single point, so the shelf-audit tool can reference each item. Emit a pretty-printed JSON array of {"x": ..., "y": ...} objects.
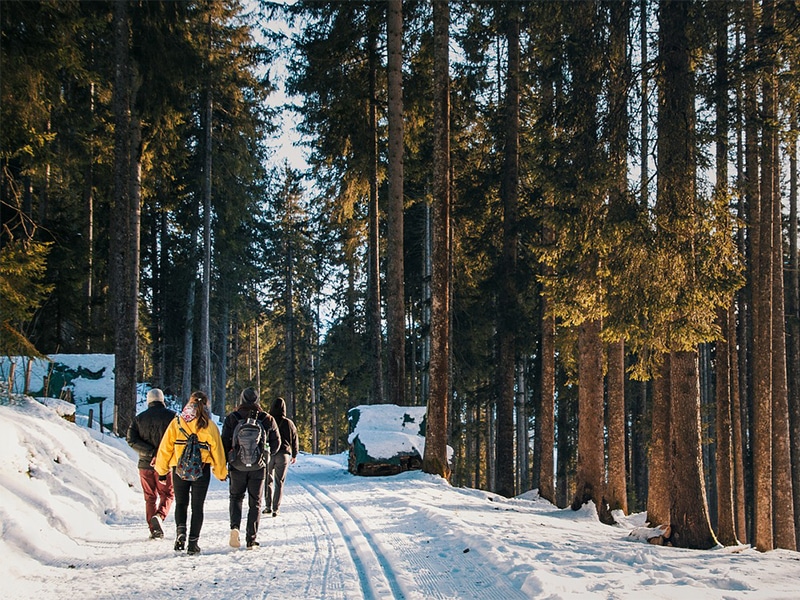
[{"x": 249, "y": 451}]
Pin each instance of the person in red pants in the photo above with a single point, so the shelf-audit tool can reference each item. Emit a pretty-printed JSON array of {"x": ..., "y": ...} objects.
[{"x": 144, "y": 436}]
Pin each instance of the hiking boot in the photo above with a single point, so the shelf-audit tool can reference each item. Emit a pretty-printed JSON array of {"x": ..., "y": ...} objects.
[
  {"x": 252, "y": 545},
  {"x": 180, "y": 539},
  {"x": 234, "y": 541},
  {"x": 193, "y": 547},
  {"x": 155, "y": 528}
]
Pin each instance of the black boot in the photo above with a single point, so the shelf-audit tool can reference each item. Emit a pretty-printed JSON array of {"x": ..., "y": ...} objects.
[
  {"x": 180, "y": 540},
  {"x": 193, "y": 547}
]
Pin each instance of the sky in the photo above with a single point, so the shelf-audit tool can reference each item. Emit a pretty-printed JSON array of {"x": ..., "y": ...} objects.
[{"x": 72, "y": 522}]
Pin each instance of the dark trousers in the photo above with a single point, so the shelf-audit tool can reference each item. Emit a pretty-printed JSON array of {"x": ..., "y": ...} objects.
[
  {"x": 251, "y": 483},
  {"x": 276, "y": 476},
  {"x": 158, "y": 495},
  {"x": 197, "y": 490}
]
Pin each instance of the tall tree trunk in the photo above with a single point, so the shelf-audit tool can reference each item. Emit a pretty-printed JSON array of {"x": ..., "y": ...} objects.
[
  {"x": 204, "y": 356},
  {"x": 188, "y": 324},
  {"x": 793, "y": 317},
  {"x": 737, "y": 432},
  {"x": 395, "y": 297},
  {"x": 288, "y": 309},
  {"x": 126, "y": 215},
  {"x": 782, "y": 501},
  {"x": 619, "y": 212},
  {"x": 747, "y": 167},
  {"x": 644, "y": 134},
  {"x": 435, "y": 459},
  {"x": 726, "y": 529},
  {"x": 546, "y": 417},
  {"x": 761, "y": 236},
  {"x": 676, "y": 205},
  {"x": 373, "y": 325},
  {"x": 617, "y": 490},
  {"x": 590, "y": 483},
  {"x": 507, "y": 302},
  {"x": 688, "y": 511},
  {"x": 658, "y": 493},
  {"x": 221, "y": 378}
]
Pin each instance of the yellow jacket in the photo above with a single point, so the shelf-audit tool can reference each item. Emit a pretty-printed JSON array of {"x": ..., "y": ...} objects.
[{"x": 169, "y": 452}]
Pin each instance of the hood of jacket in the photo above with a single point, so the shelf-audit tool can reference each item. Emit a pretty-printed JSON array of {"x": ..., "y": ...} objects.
[{"x": 278, "y": 409}]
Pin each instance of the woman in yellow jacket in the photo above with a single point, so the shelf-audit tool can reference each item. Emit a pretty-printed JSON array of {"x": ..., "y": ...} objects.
[{"x": 195, "y": 418}]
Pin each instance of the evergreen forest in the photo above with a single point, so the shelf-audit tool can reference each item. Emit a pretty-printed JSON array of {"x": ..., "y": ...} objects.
[{"x": 568, "y": 228}]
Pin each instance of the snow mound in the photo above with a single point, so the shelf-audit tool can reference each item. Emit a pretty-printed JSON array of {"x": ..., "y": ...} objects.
[{"x": 60, "y": 483}]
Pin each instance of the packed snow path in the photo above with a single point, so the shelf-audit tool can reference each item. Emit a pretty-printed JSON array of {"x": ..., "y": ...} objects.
[
  {"x": 330, "y": 540},
  {"x": 411, "y": 536}
]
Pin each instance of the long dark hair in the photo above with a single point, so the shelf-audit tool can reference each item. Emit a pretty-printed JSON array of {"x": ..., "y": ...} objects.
[{"x": 201, "y": 403}]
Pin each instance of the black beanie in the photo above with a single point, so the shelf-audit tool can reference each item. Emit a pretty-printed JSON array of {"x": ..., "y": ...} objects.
[{"x": 249, "y": 396}]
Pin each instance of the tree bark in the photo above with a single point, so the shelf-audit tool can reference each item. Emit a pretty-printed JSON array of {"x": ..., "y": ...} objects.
[
  {"x": 546, "y": 418},
  {"x": 507, "y": 301},
  {"x": 761, "y": 235},
  {"x": 688, "y": 511},
  {"x": 373, "y": 325},
  {"x": 618, "y": 213},
  {"x": 395, "y": 299},
  {"x": 435, "y": 458},
  {"x": 126, "y": 215},
  {"x": 726, "y": 529},
  {"x": 793, "y": 317},
  {"x": 204, "y": 356},
  {"x": 617, "y": 491},
  {"x": 658, "y": 493},
  {"x": 590, "y": 481},
  {"x": 782, "y": 496}
]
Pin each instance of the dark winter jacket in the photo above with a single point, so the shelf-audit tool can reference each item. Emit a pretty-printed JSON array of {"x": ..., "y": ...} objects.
[
  {"x": 289, "y": 443},
  {"x": 247, "y": 411},
  {"x": 147, "y": 429}
]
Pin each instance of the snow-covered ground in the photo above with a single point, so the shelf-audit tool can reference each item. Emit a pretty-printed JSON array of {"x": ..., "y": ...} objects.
[{"x": 72, "y": 524}]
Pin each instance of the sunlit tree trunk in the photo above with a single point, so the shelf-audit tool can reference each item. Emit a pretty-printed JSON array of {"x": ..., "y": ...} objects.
[
  {"x": 617, "y": 492},
  {"x": 435, "y": 458},
  {"x": 782, "y": 500},
  {"x": 726, "y": 531},
  {"x": 676, "y": 206}
]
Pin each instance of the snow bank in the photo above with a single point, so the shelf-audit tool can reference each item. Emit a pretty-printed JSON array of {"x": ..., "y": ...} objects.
[{"x": 59, "y": 483}]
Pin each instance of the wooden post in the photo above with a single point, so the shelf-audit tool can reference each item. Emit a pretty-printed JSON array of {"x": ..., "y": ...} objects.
[{"x": 28, "y": 368}]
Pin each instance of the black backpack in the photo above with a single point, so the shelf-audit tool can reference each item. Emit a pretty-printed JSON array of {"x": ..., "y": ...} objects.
[
  {"x": 249, "y": 451},
  {"x": 190, "y": 464}
]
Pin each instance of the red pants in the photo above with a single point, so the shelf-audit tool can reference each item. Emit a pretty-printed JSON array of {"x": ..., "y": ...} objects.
[{"x": 158, "y": 495}]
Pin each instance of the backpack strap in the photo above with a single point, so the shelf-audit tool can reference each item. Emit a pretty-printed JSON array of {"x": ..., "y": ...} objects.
[{"x": 183, "y": 442}]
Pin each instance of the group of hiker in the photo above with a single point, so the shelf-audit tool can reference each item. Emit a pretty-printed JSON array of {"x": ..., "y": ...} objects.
[{"x": 179, "y": 452}]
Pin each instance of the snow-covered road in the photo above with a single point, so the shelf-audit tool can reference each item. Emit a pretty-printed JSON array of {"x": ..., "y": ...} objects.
[
  {"x": 331, "y": 540},
  {"x": 72, "y": 526}
]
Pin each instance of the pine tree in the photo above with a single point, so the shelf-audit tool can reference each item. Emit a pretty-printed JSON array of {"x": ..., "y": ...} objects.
[{"x": 435, "y": 459}]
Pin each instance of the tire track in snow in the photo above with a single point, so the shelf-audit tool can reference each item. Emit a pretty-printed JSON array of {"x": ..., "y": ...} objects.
[
  {"x": 374, "y": 571},
  {"x": 455, "y": 574}
]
